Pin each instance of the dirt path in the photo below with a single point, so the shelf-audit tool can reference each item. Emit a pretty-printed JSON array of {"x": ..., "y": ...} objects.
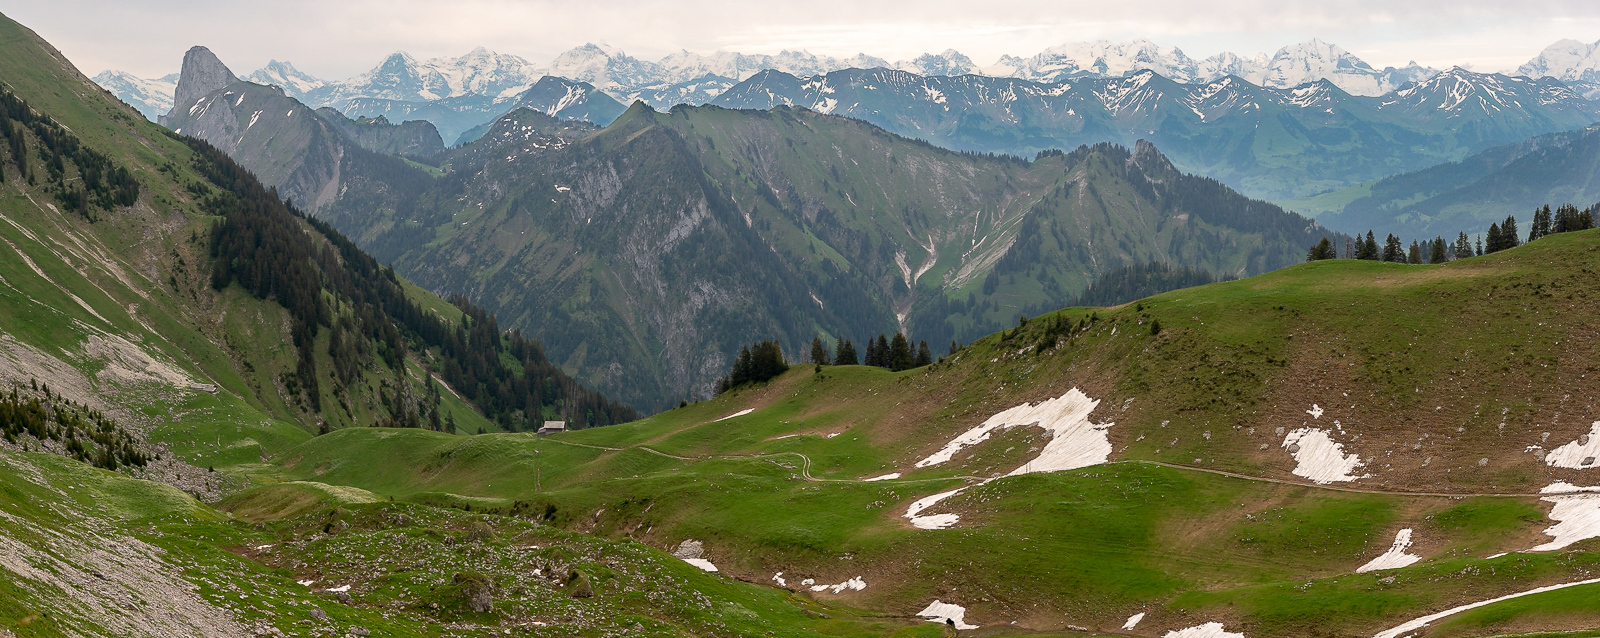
[{"x": 805, "y": 472}]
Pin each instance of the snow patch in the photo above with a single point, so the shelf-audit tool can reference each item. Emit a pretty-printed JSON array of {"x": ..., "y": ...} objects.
[
  {"x": 702, "y": 564},
  {"x": 854, "y": 584},
  {"x": 1133, "y": 621},
  {"x": 341, "y": 588},
  {"x": 1580, "y": 454},
  {"x": 1576, "y": 512},
  {"x": 1208, "y": 630},
  {"x": 736, "y": 415},
  {"x": 1315, "y": 411},
  {"x": 887, "y": 477},
  {"x": 1319, "y": 458},
  {"x": 306, "y": 583},
  {"x": 941, "y": 612},
  {"x": 1074, "y": 443},
  {"x": 778, "y": 578},
  {"x": 1419, "y": 623},
  {"x": 1395, "y": 558}
]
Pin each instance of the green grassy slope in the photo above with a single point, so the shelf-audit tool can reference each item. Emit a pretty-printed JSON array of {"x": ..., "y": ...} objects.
[{"x": 1197, "y": 517}]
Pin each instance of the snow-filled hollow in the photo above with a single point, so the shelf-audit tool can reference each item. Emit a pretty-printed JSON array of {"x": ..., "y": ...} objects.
[
  {"x": 1319, "y": 458},
  {"x": 1395, "y": 558},
  {"x": 1208, "y": 630},
  {"x": 1576, "y": 511}
]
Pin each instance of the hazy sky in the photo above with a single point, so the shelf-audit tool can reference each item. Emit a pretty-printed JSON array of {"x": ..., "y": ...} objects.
[{"x": 338, "y": 38}]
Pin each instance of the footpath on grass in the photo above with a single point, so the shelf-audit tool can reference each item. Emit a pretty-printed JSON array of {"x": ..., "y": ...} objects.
[{"x": 805, "y": 473}]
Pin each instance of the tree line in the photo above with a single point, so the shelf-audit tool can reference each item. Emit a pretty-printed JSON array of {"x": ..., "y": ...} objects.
[
  {"x": 259, "y": 245},
  {"x": 1502, "y": 235},
  {"x": 84, "y": 433},
  {"x": 94, "y": 181}
]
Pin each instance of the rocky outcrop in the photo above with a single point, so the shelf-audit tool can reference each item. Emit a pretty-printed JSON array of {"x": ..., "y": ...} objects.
[{"x": 202, "y": 74}]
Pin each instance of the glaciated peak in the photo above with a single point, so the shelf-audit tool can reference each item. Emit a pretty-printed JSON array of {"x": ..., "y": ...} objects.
[{"x": 1565, "y": 60}]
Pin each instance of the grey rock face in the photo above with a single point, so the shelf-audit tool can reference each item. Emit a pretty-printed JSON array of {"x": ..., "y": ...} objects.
[{"x": 202, "y": 74}]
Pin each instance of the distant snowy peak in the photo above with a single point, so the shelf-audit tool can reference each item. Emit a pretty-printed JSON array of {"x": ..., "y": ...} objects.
[
  {"x": 402, "y": 77},
  {"x": 1566, "y": 60},
  {"x": 1457, "y": 91},
  {"x": 1101, "y": 58},
  {"x": 951, "y": 62},
  {"x": 294, "y": 82},
  {"x": 151, "y": 97}
]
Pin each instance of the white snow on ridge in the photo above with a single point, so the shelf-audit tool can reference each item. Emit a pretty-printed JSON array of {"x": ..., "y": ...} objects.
[
  {"x": 1407, "y": 628},
  {"x": 736, "y": 415},
  {"x": 1579, "y": 454},
  {"x": 939, "y": 612},
  {"x": 1319, "y": 458},
  {"x": 1208, "y": 630},
  {"x": 1395, "y": 558}
]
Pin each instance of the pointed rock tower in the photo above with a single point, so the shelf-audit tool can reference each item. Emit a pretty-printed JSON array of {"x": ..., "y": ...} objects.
[{"x": 202, "y": 74}]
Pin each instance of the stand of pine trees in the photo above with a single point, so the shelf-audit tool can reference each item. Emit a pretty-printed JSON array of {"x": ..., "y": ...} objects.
[
  {"x": 85, "y": 434},
  {"x": 1501, "y": 235},
  {"x": 259, "y": 244},
  {"x": 757, "y": 363},
  {"x": 80, "y": 177}
]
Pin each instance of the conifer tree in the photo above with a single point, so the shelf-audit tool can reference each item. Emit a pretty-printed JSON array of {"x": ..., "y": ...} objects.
[
  {"x": 953, "y": 347},
  {"x": 1368, "y": 249},
  {"x": 1414, "y": 255},
  {"x": 1323, "y": 250},
  {"x": 1463, "y": 246},
  {"x": 1437, "y": 253},
  {"x": 924, "y": 355},
  {"x": 1492, "y": 243},
  {"x": 1542, "y": 223},
  {"x": 819, "y": 352},
  {"x": 1478, "y": 246},
  {"x": 845, "y": 355},
  {"x": 900, "y": 355},
  {"x": 1393, "y": 251},
  {"x": 1508, "y": 233}
]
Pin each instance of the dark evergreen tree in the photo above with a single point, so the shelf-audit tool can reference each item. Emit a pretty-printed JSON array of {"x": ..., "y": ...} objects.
[
  {"x": 1463, "y": 247},
  {"x": 900, "y": 355},
  {"x": 954, "y": 347},
  {"x": 819, "y": 352},
  {"x": 1323, "y": 250},
  {"x": 1508, "y": 233},
  {"x": 1393, "y": 251},
  {"x": 1542, "y": 223},
  {"x": 924, "y": 355},
  {"x": 845, "y": 354},
  {"x": 1414, "y": 254},
  {"x": 756, "y": 363},
  {"x": 1477, "y": 246},
  {"x": 1437, "y": 253},
  {"x": 1368, "y": 249},
  {"x": 1493, "y": 242}
]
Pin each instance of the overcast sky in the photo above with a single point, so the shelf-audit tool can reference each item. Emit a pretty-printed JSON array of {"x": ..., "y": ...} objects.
[{"x": 338, "y": 38}]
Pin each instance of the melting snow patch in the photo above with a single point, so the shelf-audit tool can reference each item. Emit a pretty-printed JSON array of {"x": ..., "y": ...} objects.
[
  {"x": 1496, "y": 556},
  {"x": 305, "y": 583},
  {"x": 1419, "y": 623},
  {"x": 736, "y": 415},
  {"x": 702, "y": 564},
  {"x": 1074, "y": 443},
  {"x": 1319, "y": 458},
  {"x": 941, "y": 612},
  {"x": 935, "y": 521},
  {"x": 1315, "y": 411},
  {"x": 1577, "y": 455},
  {"x": 1395, "y": 558},
  {"x": 1208, "y": 630},
  {"x": 341, "y": 588},
  {"x": 1576, "y": 512},
  {"x": 887, "y": 477},
  {"x": 1133, "y": 621},
  {"x": 778, "y": 578}
]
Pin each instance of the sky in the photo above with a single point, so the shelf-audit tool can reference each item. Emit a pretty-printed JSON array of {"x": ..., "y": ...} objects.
[{"x": 336, "y": 39}]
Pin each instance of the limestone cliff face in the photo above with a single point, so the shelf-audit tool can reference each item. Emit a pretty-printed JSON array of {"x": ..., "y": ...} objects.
[{"x": 202, "y": 74}]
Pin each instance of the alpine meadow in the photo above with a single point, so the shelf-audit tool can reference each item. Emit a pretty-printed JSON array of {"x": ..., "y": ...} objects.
[{"x": 1103, "y": 340}]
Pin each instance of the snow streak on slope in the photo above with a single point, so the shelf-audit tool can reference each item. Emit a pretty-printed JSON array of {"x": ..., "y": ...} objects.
[
  {"x": 1395, "y": 558},
  {"x": 1319, "y": 458},
  {"x": 1407, "y": 628}
]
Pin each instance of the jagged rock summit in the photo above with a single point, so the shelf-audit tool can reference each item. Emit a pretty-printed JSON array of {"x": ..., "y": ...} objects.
[{"x": 202, "y": 73}]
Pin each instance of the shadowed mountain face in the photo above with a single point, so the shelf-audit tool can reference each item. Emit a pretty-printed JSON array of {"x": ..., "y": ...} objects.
[
  {"x": 646, "y": 253},
  {"x": 1266, "y": 142},
  {"x": 1467, "y": 196}
]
